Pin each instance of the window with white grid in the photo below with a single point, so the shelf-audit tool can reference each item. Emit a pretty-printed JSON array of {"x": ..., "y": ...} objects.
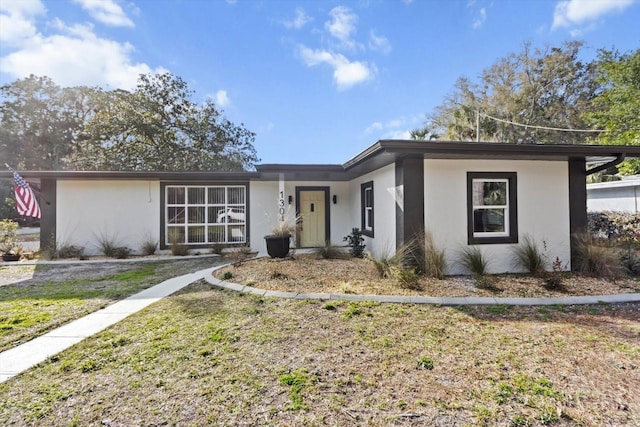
[{"x": 197, "y": 215}]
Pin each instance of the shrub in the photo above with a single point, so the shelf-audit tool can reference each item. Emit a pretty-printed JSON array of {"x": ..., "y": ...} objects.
[
  {"x": 8, "y": 236},
  {"x": 435, "y": 263},
  {"x": 554, "y": 279},
  {"x": 474, "y": 260},
  {"x": 108, "y": 245},
  {"x": 217, "y": 248},
  {"x": 356, "y": 242},
  {"x": 381, "y": 263},
  {"x": 406, "y": 277},
  {"x": 615, "y": 227},
  {"x": 69, "y": 251},
  {"x": 149, "y": 247},
  {"x": 179, "y": 249},
  {"x": 595, "y": 260},
  {"x": 630, "y": 261},
  {"x": 121, "y": 252},
  {"x": 329, "y": 251},
  {"x": 528, "y": 256}
]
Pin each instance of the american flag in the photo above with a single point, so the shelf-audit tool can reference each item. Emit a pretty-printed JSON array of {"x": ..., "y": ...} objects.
[{"x": 25, "y": 199}]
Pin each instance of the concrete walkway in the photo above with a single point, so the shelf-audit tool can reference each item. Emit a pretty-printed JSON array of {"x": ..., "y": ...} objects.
[{"x": 23, "y": 357}]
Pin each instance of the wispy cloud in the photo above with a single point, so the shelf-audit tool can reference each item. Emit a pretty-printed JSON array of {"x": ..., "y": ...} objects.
[
  {"x": 299, "y": 21},
  {"x": 221, "y": 99},
  {"x": 479, "y": 20},
  {"x": 107, "y": 12},
  {"x": 346, "y": 73},
  {"x": 570, "y": 13},
  {"x": 342, "y": 25},
  {"x": 396, "y": 128},
  {"x": 379, "y": 43}
]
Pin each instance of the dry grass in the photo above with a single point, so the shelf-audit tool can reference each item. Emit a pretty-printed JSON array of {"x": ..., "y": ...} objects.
[
  {"x": 211, "y": 357},
  {"x": 307, "y": 273}
]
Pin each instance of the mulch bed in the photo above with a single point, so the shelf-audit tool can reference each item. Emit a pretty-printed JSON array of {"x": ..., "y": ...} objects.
[{"x": 310, "y": 274}]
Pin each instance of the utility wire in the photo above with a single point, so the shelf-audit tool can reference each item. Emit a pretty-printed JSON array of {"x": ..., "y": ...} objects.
[{"x": 541, "y": 127}]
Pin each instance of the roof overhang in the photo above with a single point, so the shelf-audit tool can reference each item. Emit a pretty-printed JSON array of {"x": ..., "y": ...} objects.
[{"x": 380, "y": 154}]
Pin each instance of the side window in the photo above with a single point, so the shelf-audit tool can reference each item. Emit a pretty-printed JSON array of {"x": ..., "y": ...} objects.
[
  {"x": 366, "y": 203},
  {"x": 492, "y": 208}
]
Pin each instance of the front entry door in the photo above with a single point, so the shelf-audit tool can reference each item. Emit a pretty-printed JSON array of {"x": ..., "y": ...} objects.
[{"x": 313, "y": 210}]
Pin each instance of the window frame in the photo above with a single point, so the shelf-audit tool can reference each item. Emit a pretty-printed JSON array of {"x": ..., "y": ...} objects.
[
  {"x": 510, "y": 235},
  {"x": 367, "y": 212},
  {"x": 207, "y": 205}
]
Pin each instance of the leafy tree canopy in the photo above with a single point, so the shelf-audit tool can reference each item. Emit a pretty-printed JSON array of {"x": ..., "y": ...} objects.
[
  {"x": 155, "y": 127},
  {"x": 548, "y": 87},
  {"x": 618, "y": 103}
]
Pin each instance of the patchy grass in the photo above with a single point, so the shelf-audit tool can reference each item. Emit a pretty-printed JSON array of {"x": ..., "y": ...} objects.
[
  {"x": 32, "y": 307},
  {"x": 206, "y": 356}
]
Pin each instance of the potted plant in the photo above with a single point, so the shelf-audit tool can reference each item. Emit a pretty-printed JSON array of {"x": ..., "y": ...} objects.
[
  {"x": 11, "y": 250},
  {"x": 280, "y": 238}
]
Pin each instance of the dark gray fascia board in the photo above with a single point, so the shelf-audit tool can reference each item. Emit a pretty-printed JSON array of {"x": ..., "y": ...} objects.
[
  {"x": 299, "y": 172},
  {"x": 135, "y": 175}
]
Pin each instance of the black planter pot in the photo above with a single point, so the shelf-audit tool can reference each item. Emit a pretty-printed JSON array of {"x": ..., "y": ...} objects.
[
  {"x": 10, "y": 257},
  {"x": 277, "y": 246}
]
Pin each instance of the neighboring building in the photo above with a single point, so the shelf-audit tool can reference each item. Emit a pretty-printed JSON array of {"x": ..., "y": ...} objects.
[
  {"x": 464, "y": 193},
  {"x": 617, "y": 196}
]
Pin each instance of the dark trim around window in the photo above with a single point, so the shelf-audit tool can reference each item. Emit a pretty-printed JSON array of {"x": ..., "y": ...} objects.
[
  {"x": 367, "y": 225},
  {"x": 512, "y": 180},
  {"x": 163, "y": 226}
]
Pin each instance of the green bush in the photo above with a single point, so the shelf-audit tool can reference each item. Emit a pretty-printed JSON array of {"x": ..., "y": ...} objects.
[{"x": 356, "y": 242}]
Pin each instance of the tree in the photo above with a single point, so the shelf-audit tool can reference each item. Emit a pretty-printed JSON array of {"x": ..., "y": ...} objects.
[
  {"x": 158, "y": 127},
  {"x": 40, "y": 122},
  {"x": 537, "y": 88},
  {"x": 618, "y": 103}
]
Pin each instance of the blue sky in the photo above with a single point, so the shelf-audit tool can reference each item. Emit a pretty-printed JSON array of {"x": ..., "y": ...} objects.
[{"x": 317, "y": 81}]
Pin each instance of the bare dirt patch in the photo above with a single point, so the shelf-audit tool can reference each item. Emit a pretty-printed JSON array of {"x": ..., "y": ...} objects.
[{"x": 308, "y": 273}]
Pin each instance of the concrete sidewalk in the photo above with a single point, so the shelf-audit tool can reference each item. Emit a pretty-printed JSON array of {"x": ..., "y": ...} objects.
[{"x": 23, "y": 357}]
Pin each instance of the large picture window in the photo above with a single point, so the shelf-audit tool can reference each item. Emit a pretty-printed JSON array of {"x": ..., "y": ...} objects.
[
  {"x": 492, "y": 207},
  {"x": 366, "y": 203},
  {"x": 198, "y": 215}
]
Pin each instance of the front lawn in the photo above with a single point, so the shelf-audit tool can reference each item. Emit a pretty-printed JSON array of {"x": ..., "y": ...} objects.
[
  {"x": 35, "y": 299},
  {"x": 207, "y": 356}
]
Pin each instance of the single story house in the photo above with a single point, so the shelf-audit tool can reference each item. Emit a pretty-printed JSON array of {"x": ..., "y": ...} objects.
[
  {"x": 464, "y": 193},
  {"x": 617, "y": 196}
]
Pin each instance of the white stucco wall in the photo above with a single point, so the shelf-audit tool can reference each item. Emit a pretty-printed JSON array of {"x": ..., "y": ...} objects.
[
  {"x": 263, "y": 199},
  {"x": 384, "y": 217},
  {"x": 617, "y": 196},
  {"x": 543, "y": 208},
  {"x": 126, "y": 211}
]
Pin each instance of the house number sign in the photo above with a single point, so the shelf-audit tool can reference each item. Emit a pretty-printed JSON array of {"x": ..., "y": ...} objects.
[{"x": 281, "y": 210}]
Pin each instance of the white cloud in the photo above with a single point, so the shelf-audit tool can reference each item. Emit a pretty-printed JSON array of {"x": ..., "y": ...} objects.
[
  {"x": 16, "y": 20},
  {"x": 568, "y": 13},
  {"x": 106, "y": 11},
  {"x": 380, "y": 43},
  {"x": 396, "y": 128},
  {"x": 342, "y": 25},
  {"x": 300, "y": 20},
  {"x": 222, "y": 99},
  {"x": 346, "y": 74},
  {"x": 76, "y": 56},
  {"x": 479, "y": 20}
]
